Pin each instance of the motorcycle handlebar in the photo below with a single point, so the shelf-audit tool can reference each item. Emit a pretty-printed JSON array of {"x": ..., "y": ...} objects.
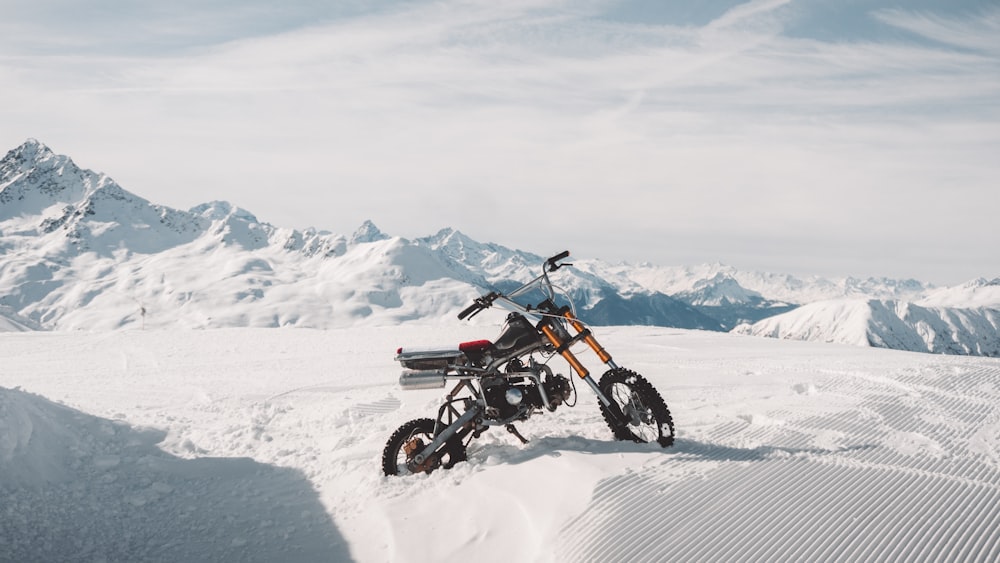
[{"x": 486, "y": 301}]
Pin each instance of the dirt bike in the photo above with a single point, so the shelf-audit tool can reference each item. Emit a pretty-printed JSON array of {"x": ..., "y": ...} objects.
[{"x": 502, "y": 382}]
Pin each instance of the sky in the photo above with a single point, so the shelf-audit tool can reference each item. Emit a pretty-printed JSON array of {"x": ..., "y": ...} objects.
[{"x": 829, "y": 137}]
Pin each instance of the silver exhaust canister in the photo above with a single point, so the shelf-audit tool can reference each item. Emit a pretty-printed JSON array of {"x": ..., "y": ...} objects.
[{"x": 421, "y": 379}]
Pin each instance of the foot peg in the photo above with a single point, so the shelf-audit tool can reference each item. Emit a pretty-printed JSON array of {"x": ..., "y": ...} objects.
[{"x": 510, "y": 428}]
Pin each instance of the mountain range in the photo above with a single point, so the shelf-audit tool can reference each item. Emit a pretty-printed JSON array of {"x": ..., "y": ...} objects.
[{"x": 79, "y": 252}]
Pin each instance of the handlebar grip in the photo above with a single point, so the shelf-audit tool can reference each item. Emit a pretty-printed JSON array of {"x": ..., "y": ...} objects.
[
  {"x": 484, "y": 302},
  {"x": 551, "y": 262},
  {"x": 465, "y": 312}
]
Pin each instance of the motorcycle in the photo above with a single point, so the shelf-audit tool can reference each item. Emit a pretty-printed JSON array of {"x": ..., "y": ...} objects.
[{"x": 504, "y": 381}]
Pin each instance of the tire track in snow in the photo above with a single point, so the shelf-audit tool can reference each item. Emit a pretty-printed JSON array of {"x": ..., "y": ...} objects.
[
  {"x": 382, "y": 406},
  {"x": 327, "y": 388}
]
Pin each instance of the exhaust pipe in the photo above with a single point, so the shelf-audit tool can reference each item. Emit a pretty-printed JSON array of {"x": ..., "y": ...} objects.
[{"x": 421, "y": 379}]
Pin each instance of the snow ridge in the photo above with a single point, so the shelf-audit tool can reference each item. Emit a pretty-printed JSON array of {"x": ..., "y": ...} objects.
[{"x": 898, "y": 325}]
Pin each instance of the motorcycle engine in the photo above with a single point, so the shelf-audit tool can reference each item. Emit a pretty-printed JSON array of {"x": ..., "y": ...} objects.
[{"x": 511, "y": 395}]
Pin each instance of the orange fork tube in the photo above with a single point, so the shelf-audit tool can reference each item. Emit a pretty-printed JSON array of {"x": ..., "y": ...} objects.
[
  {"x": 575, "y": 364},
  {"x": 567, "y": 354},
  {"x": 589, "y": 339}
]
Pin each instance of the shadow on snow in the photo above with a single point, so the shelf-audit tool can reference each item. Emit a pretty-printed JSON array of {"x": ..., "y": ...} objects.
[
  {"x": 79, "y": 487},
  {"x": 549, "y": 445}
]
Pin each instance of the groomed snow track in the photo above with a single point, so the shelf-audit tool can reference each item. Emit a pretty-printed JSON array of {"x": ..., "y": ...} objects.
[{"x": 792, "y": 501}]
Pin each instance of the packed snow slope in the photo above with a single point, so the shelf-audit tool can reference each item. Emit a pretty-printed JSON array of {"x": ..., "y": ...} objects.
[
  {"x": 78, "y": 251},
  {"x": 265, "y": 444}
]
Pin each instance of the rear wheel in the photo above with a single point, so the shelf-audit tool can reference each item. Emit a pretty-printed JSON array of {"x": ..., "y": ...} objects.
[
  {"x": 644, "y": 415},
  {"x": 409, "y": 440}
]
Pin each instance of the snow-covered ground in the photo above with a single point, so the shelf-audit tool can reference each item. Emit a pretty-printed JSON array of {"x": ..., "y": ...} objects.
[{"x": 264, "y": 445}]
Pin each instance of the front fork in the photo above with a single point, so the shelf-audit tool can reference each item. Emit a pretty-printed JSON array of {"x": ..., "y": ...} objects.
[{"x": 563, "y": 347}]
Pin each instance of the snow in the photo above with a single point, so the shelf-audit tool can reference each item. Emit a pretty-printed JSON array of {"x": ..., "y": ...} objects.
[
  {"x": 719, "y": 290},
  {"x": 264, "y": 444},
  {"x": 744, "y": 285},
  {"x": 899, "y": 325},
  {"x": 10, "y": 321},
  {"x": 972, "y": 294},
  {"x": 174, "y": 443}
]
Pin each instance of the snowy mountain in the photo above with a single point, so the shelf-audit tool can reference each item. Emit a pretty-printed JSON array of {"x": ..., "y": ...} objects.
[
  {"x": 976, "y": 293},
  {"x": 711, "y": 282},
  {"x": 899, "y": 325},
  {"x": 77, "y": 251},
  {"x": 722, "y": 297},
  {"x": 80, "y": 252},
  {"x": 600, "y": 300},
  {"x": 964, "y": 319}
]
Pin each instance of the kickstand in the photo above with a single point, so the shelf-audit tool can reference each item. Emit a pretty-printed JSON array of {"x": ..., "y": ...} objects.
[{"x": 510, "y": 428}]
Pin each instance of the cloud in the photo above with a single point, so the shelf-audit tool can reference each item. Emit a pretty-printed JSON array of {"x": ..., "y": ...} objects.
[
  {"x": 564, "y": 124},
  {"x": 743, "y": 13},
  {"x": 980, "y": 33}
]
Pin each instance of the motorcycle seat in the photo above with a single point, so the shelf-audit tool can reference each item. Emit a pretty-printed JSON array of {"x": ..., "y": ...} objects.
[
  {"x": 475, "y": 346},
  {"x": 427, "y": 353},
  {"x": 417, "y": 357}
]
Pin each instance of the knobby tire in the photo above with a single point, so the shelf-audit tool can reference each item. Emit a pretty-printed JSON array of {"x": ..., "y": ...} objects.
[{"x": 633, "y": 394}]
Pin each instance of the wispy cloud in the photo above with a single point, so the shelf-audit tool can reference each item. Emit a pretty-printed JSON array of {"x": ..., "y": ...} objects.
[
  {"x": 748, "y": 12},
  {"x": 979, "y": 34}
]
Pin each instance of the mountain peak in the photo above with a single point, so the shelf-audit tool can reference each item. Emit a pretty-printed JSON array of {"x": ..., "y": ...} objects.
[
  {"x": 449, "y": 237},
  {"x": 32, "y": 178},
  {"x": 22, "y": 159},
  {"x": 460, "y": 247},
  {"x": 981, "y": 282},
  {"x": 33, "y": 149},
  {"x": 445, "y": 233},
  {"x": 720, "y": 289},
  {"x": 368, "y": 232},
  {"x": 220, "y": 210}
]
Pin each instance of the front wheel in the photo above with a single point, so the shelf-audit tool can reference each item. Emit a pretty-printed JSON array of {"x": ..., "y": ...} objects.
[
  {"x": 644, "y": 417},
  {"x": 409, "y": 440}
]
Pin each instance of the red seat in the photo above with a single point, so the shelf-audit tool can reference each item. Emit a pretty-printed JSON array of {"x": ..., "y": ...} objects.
[{"x": 475, "y": 346}]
